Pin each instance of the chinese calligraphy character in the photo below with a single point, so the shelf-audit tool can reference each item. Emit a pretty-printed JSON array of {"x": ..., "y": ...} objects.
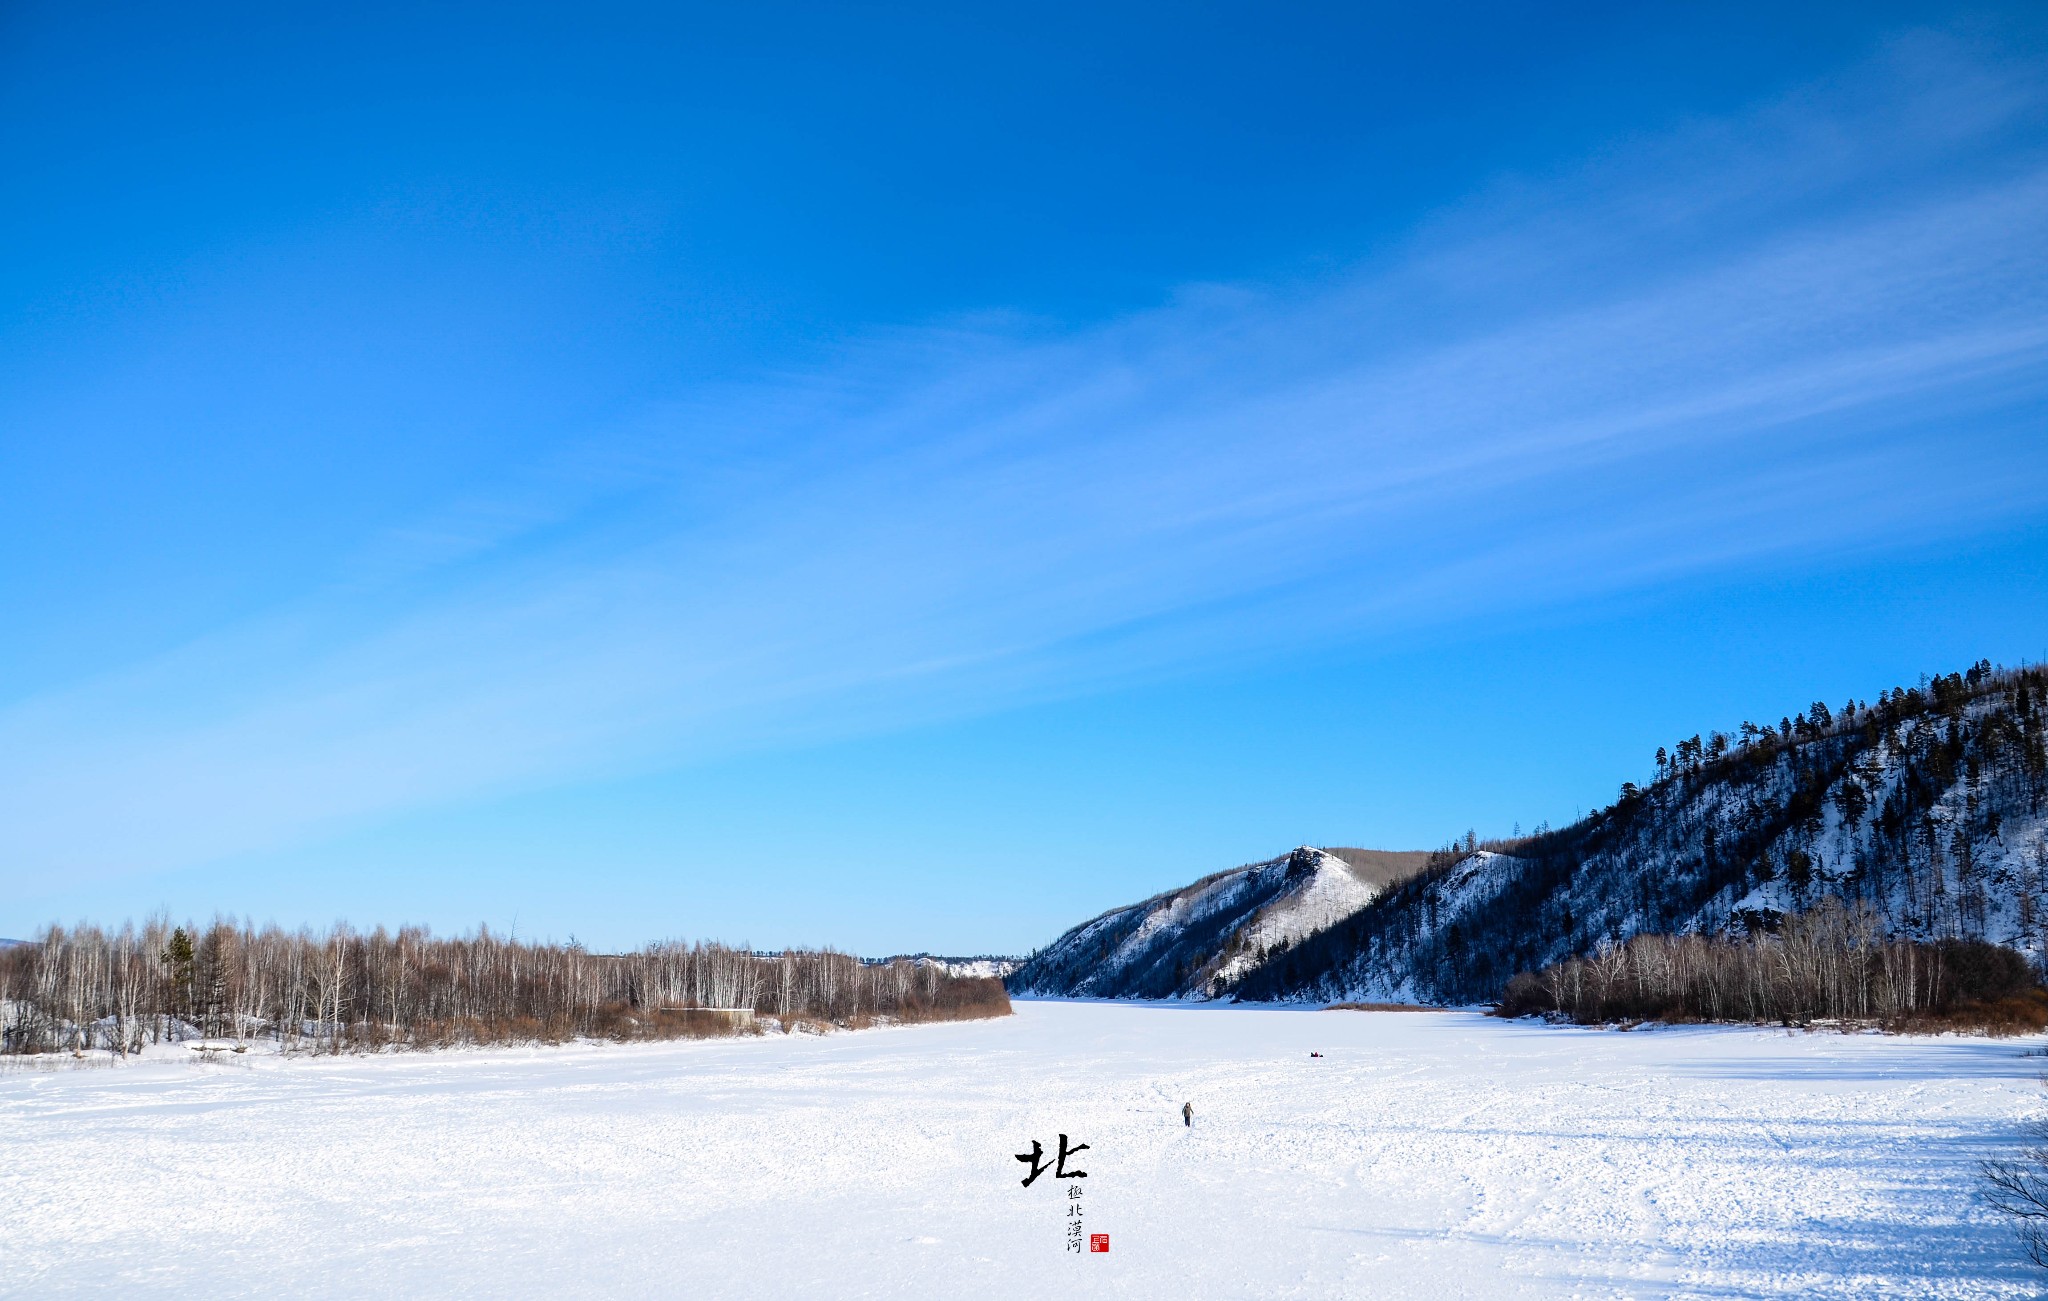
[{"x": 1035, "y": 1158}]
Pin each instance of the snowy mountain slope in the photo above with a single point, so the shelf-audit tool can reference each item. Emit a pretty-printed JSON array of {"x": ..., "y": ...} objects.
[
  {"x": 1332, "y": 892},
  {"x": 1201, "y": 940},
  {"x": 1930, "y": 807}
]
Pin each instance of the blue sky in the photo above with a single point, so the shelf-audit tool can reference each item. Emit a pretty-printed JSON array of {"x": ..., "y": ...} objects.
[{"x": 905, "y": 479}]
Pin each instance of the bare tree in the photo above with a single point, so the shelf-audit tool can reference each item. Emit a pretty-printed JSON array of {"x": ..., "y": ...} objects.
[
  {"x": 86, "y": 988},
  {"x": 1832, "y": 963},
  {"x": 2019, "y": 1189}
]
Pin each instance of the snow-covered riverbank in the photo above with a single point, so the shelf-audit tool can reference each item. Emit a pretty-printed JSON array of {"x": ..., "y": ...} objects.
[{"x": 1420, "y": 1156}]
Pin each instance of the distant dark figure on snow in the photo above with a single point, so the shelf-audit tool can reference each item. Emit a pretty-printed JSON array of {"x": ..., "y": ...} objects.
[{"x": 1187, "y": 1114}]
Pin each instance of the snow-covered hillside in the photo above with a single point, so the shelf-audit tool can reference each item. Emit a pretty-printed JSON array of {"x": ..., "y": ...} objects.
[
  {"x": 1201, "y": 940},
  {"x": 1930, "y": 807}
]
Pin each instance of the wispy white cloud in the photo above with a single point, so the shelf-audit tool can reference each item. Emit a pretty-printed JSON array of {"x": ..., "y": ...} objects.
[{"x": 1819, "y": 327}]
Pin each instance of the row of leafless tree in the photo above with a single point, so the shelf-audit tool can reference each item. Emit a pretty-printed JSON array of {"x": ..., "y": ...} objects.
[
  {"x": 87, "y": 988},
  {"x": 1834, "y": 962}
]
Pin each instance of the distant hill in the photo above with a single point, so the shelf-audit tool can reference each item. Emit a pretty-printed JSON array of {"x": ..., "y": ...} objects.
[
  {"x": 1202, "y": 940},
  {"x": 985, "y": 965}
]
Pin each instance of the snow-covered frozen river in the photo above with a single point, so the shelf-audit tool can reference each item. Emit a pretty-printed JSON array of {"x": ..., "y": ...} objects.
[{"x": 1423, "y": 1155}]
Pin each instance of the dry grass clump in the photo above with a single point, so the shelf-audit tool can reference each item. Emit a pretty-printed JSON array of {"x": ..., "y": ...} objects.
[{"x": 2018, "y": 1014}]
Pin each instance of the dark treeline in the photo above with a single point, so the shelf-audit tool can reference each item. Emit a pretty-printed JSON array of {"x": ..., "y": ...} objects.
[
  {"x": 89, "y": 988},
  {"x": 1902, "y": 804},
  {"x": 1833, "y": 963}
]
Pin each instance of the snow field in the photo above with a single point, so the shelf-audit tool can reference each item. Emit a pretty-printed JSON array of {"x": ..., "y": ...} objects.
[{"x": 1426, "y": 1155}]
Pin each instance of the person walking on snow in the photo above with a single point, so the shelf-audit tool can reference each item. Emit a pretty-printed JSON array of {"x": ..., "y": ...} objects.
[{"x": 1187, "y": 1114}]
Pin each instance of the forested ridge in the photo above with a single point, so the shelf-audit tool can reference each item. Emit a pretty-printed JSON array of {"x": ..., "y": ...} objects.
[{"x": 1925, "y": 807}]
